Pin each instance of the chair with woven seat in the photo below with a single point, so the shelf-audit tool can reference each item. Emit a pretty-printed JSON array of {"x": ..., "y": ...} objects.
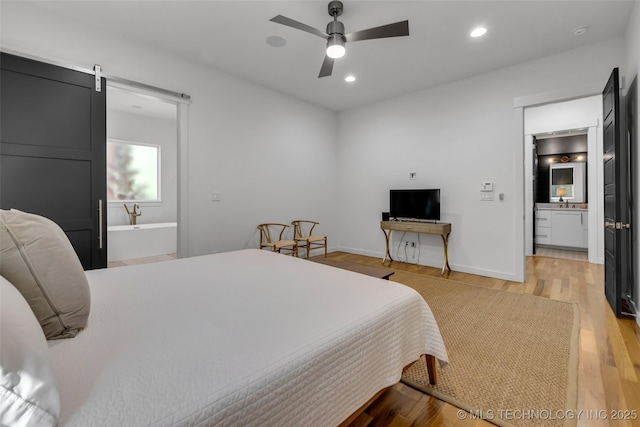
[
  {"x": 268, "y": 233},
  {"x": 303, "y": 234}
]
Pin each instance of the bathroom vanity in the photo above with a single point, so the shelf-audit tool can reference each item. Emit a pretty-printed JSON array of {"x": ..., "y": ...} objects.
[{"x": 563, "y": 225}]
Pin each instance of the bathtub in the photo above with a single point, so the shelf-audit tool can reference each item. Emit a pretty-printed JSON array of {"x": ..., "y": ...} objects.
[{"x": 140, "y": 241}]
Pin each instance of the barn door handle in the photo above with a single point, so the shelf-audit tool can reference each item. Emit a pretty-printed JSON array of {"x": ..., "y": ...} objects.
[{"x": 100, "y": 224}]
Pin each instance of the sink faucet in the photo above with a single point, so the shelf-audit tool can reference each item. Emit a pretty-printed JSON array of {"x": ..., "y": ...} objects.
[{"x": 133, "y": 216}]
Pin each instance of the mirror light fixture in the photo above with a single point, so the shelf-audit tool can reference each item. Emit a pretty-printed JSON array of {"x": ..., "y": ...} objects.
[{"x": 335, "y": 46}]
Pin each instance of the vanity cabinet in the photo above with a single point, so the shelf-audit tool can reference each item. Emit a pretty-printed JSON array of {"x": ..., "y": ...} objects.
[
  {"x": 566, "y": 228},
  {"x": 543, "y": 227}
]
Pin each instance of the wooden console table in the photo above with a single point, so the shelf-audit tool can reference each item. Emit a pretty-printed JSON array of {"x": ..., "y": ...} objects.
[{"x": 441, "y": 229}]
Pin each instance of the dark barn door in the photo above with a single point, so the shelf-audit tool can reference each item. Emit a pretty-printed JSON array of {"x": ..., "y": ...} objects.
[
  {"x": 53, "y": 150},
  {"x": 616, "y": 211}
]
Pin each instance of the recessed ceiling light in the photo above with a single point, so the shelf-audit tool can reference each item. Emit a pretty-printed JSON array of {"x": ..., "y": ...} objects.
[
  {"x": 578, "y": 31},
  {"x": 477, "y": 32},
  {"x": 350, "y": 79},
  {"x": 276, "y": 41}
]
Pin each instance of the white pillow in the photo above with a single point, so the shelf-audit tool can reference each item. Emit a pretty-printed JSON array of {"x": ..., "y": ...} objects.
[
  {"x": 28, "y": 392},
  {"x": 38, "y": 259}
]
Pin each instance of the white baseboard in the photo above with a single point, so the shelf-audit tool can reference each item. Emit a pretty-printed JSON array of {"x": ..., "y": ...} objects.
[
  {"x": 360, "y": 252},
  {"x": 487, "y": 273}
]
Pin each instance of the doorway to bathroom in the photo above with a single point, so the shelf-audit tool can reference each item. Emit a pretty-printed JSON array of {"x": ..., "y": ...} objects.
[
  {"x": 142, "y": 176},
  {"x": 560, "y": 194},
  {"x": 563, "y": 158}
]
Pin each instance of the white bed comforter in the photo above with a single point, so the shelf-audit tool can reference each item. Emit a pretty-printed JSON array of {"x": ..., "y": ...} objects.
[{"x": 245, "y": 338}]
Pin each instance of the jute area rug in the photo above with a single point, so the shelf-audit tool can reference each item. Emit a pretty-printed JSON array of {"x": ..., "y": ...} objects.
[{"x": 513, "y": 358}]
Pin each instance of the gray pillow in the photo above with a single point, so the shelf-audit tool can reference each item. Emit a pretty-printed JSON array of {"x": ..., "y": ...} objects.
[{"x": 38, "y": 259}]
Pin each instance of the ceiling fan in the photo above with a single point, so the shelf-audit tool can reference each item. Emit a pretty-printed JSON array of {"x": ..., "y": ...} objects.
[{"x": 336, "y": 38}]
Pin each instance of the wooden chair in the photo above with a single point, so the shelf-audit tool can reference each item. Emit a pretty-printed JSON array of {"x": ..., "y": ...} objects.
[
  {"x": 303, "y": 234},
  {"x": 268, "y": 231}
]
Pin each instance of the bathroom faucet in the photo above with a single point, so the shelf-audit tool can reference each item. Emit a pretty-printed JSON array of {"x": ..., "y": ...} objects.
[{"x": 133, "y": 216}]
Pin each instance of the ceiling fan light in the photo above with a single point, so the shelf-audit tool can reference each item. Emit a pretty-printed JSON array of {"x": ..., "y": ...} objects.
[
  {"x": 335, "y": 51},
  {"x": 335, "y": 47},
  {"x": 478, "y": 32}
]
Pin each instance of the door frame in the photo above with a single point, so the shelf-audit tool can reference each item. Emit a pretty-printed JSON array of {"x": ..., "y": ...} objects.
[
  {"x": 594, "y": 174},
  {"x": 182, "y": 112},
  {"x": 519, "y": 105},
  {"x": 631, "y": 123}
]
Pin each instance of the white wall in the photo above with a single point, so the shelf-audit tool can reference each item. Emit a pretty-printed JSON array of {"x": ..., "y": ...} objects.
[
  {"x": 575, "y": 114},
  {"x": 632, "y": 39},
  {"x": 632, "y": 68},
  {"x": 148, "y": 130},
  {"x": 244, "y": 140},
  {"x": 455, "y": 136}
]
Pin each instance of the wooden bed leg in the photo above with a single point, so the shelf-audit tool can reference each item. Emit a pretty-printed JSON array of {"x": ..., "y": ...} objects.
[{"x": 431, "y": 368}]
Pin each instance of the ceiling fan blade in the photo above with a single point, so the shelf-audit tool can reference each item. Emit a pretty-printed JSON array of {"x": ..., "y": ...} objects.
[
  {"x": 298, "y": 25},
  {"x": 327, "y": 67},
  {"x": 397, "y": 29}
]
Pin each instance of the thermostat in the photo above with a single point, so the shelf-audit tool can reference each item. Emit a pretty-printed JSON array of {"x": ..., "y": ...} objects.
[{"x": 486, "y": 186}]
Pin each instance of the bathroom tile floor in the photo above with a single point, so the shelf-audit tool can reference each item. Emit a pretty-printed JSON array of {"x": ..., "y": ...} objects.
[
  {"x": 146, "y": 260},
  {"x": 561, "y": 253}
]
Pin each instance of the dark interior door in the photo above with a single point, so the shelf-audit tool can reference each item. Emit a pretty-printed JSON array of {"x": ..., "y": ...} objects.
[
  {"x": 53, "y": 150},
  {"x": 616, "y": 219}
]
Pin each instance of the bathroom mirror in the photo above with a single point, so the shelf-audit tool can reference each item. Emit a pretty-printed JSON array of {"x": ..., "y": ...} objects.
[{"x": 567, "y": 181}]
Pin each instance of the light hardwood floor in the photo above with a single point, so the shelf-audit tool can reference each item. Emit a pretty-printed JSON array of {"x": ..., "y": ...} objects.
[{"x": 609, "y": 358}]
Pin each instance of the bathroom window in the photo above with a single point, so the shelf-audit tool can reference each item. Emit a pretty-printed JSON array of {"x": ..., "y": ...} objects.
[{"x": 133, "y": 171}]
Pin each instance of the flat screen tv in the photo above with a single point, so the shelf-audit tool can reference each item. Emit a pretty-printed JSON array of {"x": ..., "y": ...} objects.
[{"x": 415, "y": 204}]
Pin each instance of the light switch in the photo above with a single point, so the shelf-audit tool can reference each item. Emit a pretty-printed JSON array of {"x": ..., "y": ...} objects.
[
  {"x": 486, "y": 191},
  {"x": 216, "y": 196}
]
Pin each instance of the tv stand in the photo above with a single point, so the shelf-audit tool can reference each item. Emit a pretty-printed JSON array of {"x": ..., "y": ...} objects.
[{"x": 442, "y": 229}]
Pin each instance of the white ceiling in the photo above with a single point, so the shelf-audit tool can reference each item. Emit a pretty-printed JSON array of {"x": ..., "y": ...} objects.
[
  {"x": 131, "y": 102},
  {"x": 231, "y": 36}
]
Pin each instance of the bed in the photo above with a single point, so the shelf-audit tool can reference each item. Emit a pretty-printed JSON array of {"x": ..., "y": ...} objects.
[{"x": 246, "y": 338}]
